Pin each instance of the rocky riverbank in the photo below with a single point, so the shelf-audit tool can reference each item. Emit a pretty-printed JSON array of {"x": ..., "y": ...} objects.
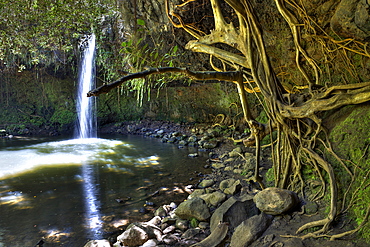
[{"x": 224, "y": 207}]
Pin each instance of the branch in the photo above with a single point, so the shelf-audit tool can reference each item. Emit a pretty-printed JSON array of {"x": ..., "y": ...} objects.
[
  {"x": 196, "y": 46},
  {"x": 232, "y": 76},
  {"x": 346, "y": 95}
]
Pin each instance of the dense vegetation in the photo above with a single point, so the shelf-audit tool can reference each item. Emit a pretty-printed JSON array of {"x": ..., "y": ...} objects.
[{"x": 298, "y": 80}]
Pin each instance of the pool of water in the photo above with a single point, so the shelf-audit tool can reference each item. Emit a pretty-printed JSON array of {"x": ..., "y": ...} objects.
[{"x": 68, "y": 191}]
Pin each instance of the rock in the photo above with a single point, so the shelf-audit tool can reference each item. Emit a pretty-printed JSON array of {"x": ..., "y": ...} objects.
[
  {"x": 210, "y": 144},
  {"x": 150, "y": 243},
  {"x": 351, "y": 19},
  {"x": 160, "y": 212},
  {"x": 206, "y": 183},
  {"x": 98, "y": 243},
  {"x": 249, "y": 230},
  {"x": 191, "y": 233},
  {"x": 213, "y": 199},
  {"x": 230, "y": 186},
  {"x": 218, "y": 165},
  {"x": 311, "y": 207},
  {"x": 235, "y": 152},
  {"x": 183, "y": 143},
  {"x": 183, "y": 225},
  {"x": 229, "y": 168},
  {"x": 170, "y": 239},
  {"x": 169, "y": 229},
  {"x": 234, "y": 211},
  {"x": 203, "y": 225},
  {"x": 193, "y": 208},
  {"x": 134, "y": 236},
  {"x": 196, "y": 193},
  {"x": 140, "y": 232},
  {"x": 275, "y": 201},
  {"x": 192, "y": 139}
]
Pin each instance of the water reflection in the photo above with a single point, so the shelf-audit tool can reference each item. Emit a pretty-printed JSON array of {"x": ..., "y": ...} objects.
[{"x": 91, "y": 192}]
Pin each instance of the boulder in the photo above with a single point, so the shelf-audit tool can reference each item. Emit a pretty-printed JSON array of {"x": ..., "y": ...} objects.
[
  {"x": 275, "y": 201},
  {"x": 234, "y": 211},
  {"x": 193, "y": 208},
  {"x": 249, "y": 230}
]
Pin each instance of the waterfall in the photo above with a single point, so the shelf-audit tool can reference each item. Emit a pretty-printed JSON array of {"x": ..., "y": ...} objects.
[{"x": 86, "y": 124}]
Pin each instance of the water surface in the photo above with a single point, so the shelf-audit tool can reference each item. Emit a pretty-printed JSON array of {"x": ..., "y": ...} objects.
[{"x": 70, "y": 191}]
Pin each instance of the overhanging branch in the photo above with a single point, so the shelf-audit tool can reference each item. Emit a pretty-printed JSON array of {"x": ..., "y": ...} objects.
[{"x": 232, "y": 76}]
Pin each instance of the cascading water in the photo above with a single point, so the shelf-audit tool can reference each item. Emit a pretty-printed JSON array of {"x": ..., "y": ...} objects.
[
  {"x": 85, "y": 131},
  {"x": 86, "y": 117}
]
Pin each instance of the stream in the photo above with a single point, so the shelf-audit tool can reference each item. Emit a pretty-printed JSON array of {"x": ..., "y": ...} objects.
[{"x": 69, "y": 191}]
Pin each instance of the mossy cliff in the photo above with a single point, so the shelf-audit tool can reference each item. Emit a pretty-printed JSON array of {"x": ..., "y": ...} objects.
[{"x": 350, "y": 137}]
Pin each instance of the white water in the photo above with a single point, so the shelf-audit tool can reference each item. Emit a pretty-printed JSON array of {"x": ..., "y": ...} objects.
[{"x": 85, "y": 105}]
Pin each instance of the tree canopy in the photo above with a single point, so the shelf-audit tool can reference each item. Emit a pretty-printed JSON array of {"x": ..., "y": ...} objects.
[{"x": 46, "y": 32}]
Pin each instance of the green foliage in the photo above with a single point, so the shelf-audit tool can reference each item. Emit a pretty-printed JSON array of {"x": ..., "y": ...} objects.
[
  {"x": 194, "y": 222},
  {"x": 41, "y": 32},
  {"x": 351, "y": 140},
  {"x": 62, "y": 117},
  {"x": 144, "y": 51}
]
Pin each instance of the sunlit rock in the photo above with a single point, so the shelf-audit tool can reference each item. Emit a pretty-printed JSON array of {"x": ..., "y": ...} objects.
[
  {"x": 98, "y": 243},
  {"x": 193, "y": 208},
  {"x": 140, "y": 232},
  {"x": 275, "y": 201}
]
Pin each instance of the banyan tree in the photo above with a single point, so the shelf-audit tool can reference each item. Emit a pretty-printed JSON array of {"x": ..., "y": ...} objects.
[{"x": 236, "y": 46}]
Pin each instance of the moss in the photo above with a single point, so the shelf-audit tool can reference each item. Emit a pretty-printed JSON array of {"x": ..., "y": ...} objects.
[
  {"x": 62, "y": 117},
  {"x": 350, "y": 139},
  {"x": 270, "y": 177}
]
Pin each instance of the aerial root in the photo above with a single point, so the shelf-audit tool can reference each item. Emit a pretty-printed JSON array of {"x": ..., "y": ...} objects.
[{"x": 326, "y": 221}]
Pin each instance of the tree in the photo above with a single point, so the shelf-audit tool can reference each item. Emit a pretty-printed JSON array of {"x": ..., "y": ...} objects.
[
  {"x": 294, "y": 111},
  {"x": 40, "y": 32}
]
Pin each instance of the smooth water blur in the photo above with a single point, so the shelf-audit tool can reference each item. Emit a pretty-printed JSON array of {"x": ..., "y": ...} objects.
[
  {"x": 86, "y": 124},
  {"x": 46, "y": 184}
]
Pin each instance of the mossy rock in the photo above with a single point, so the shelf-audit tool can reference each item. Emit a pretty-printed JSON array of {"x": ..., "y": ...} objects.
[{"x": 350, "y": 138}]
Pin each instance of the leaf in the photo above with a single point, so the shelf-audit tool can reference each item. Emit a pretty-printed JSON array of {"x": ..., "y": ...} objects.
[
  {"x": 140, "y": 22},
  {"x": 174, "y": 49}
]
